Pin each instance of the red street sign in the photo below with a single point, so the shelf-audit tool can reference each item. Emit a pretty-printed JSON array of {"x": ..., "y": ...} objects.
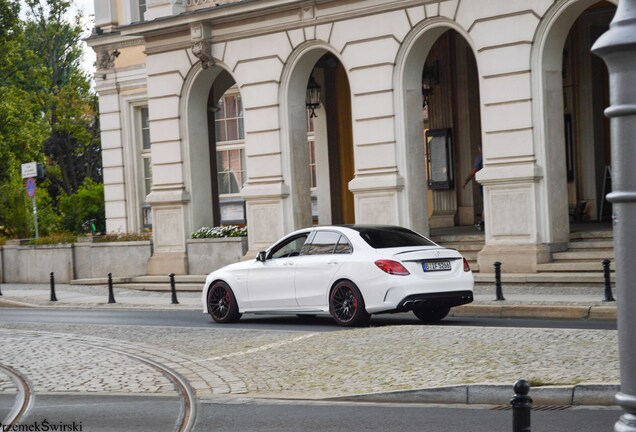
[{"x": 30, "y": 187}]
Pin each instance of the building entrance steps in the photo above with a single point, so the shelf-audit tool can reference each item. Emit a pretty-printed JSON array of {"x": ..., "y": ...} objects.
[
  {"x": 580, "y": 263},
  {"x": 183, "y": 283}
]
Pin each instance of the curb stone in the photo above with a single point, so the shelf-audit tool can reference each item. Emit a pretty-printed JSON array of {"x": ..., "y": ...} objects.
[
  {"x": 496, "y": 394},
  {"x": 536, "y": 311},
  {"x": 12, "y": 303}
]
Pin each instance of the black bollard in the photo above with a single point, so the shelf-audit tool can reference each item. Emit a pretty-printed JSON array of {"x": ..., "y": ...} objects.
[
  {"x": 0, "y": 289},
  {"x": 608, "y": 285},
  {"x": 173, "y": 288},
  {"x": 521, "y": 405},
  {"x": 111, "y": 295},
  {"x": 52, "y": 279},
  {"x": 499, "y": 291}
]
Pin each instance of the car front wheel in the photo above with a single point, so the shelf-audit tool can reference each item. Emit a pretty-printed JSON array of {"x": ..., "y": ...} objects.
[
  {"x": 431, "y": 315},
  {"x": 222, "y": 304},
  {"x": 347, "y": 305}
]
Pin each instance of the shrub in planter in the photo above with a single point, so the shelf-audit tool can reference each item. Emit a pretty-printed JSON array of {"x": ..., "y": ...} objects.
[
  {"x": 54, "y": 238},
  {"x": 118, "y": 237},
  {"x": 220, "y": 232}
]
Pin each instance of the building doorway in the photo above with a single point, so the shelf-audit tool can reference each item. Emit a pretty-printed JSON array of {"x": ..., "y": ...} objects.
[
  {"x": 451, "y": 109},
  {"x": 321, "y": 142},
  {"x": 587, "y": 133}
]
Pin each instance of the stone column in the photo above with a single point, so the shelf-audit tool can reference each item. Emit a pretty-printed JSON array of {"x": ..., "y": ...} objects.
[
  {"x": 112, "y": 144},
  {"x": 171, "y": 195},
  {"x": 618, "y": 48},
  {"x": 106, "y": 15}
]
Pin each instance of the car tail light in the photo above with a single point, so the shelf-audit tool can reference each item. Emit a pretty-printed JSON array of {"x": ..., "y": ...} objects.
[
  {"x": 392, "y": 267},
  {"x": 466, "y": 266}
]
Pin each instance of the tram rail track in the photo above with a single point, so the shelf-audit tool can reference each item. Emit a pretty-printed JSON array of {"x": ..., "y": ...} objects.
[
  {"x": 26, "y": 395},
  {"x": 24, "y": 398},
  {"x": 187, "y": 417}
]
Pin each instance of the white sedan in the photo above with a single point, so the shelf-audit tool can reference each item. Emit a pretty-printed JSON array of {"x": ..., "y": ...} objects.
[{"x": 349, "y": 271}]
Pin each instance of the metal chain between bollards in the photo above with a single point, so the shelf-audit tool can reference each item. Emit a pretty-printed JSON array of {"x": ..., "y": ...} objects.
[
  {"x": 173, "y": 288},
  {"x": 521, "y": 405},
  {"x": 498, "y": 289},
  {"x": 111, "y": 294},
  {"x": 52, "y": 280},
  {"x": 608, "y": 284}
]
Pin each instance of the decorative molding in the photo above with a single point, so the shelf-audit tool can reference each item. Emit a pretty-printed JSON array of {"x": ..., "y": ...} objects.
[
  {"x": 106, "y": 58},
  {"x": 203, "y": 51},
  {"x": 201, "y": 43}
]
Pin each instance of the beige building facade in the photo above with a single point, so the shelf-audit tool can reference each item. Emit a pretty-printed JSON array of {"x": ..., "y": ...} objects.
[{"x": 204, "y": 117}]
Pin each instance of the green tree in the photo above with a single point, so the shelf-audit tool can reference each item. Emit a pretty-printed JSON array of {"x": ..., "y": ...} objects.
[
  {"x": 47, "y": 112},
  {"x": 65, "y": 94},
  {"x": 22, "y": 127}
]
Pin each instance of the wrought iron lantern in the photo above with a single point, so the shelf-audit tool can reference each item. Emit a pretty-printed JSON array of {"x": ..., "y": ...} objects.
[
  {"x": 312, "y": 99},
  {"x": 430, "y": 78}
]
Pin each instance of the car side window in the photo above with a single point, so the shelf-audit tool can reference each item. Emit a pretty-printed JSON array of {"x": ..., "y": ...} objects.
[
  {"x": 343, "y": 246},
  {"x": 323, "y": 243},
  {"x": 289, "y": 248}
]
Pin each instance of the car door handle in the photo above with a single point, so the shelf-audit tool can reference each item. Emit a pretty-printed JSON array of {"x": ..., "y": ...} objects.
[
  {"x": 332, "y": 262},
  {"x": 288, "y": 263}
]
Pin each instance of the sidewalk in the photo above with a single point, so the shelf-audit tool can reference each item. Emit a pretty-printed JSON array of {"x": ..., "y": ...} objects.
[
  {"x": 521, "y": 301},
  {"x": 93, "y": 296}
]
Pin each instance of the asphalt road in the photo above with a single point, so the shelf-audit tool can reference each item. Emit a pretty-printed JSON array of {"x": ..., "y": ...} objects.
[
  {"x": 184, "y": 318},
  {"x": 398, "y": 417},
  {"x": 154, "y": 413}
]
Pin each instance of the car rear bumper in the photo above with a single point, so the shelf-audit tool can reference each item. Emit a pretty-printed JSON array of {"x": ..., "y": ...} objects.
[
  {"x": 444, "y": 299},
  {"x": 404, "y": 293}
]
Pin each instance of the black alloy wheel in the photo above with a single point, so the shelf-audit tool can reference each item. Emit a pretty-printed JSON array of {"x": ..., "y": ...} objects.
[
  {"x": 431, "y": 315},
  {"x": 222, "y": 304},
  {"x": 347, "y": 305}
]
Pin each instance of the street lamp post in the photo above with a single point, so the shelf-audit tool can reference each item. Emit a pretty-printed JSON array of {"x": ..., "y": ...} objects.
[{"x": 617, "y": 48}]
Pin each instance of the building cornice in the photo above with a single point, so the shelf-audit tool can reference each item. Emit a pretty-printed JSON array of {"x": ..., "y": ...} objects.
[{"x": 247, "y": 9}]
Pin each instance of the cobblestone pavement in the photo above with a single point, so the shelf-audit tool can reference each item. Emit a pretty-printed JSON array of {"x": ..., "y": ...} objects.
[
  {"x": 6, "y": 385},
  {"x": 296, "y": 364}
]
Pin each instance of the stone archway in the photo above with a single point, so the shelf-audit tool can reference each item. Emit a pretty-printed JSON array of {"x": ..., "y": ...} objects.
[
  {"x": 332, "y": 151},
  {"x": 445, "y": 49},
  {"x": 204, "y": 88},
  {"x": 550, "y": 124}
]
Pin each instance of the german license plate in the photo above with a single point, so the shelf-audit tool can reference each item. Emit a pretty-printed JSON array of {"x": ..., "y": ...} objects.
[{"x": 436, "y": 265}]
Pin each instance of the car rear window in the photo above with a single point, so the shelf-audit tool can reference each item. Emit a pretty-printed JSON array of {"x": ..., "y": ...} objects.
[{"x": 391, "y": 237}]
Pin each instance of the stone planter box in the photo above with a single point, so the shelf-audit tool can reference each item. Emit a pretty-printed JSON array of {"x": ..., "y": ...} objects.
[
  {"x": 122, "y": 259},
  {"x": 33, "y": 264},
  {"x": 207, "y": 255}
]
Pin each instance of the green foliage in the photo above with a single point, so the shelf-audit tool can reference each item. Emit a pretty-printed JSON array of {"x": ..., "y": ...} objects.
[
  {"x": 16, "y": 219},
  {"x": 48, "y": 115},
  {"x": 118, "y": 237},
  {"x": 82, "y": 207},
  {"x": 66, "y": 99},
  {"x": 49, "y": 218},
  {"x": 54, "y": 238},
  {"x": 220, "y": 232},
  {"x": 16, "y": 210}
]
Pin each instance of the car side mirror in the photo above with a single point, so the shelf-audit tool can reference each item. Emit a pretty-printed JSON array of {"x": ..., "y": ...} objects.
[{"x": 262, "y": 256}]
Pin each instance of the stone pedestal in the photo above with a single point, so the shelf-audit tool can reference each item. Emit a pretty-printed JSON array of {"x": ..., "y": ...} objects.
[
  {"x": 163, "y": 263},
  {"x": 169, "y": 232}
]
